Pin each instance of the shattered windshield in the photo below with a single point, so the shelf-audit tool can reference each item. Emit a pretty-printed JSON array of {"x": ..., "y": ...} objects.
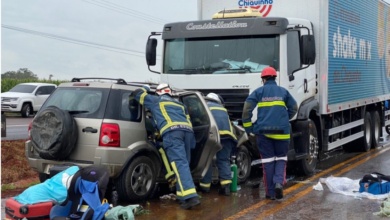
[{"x": 217, "y": 55}]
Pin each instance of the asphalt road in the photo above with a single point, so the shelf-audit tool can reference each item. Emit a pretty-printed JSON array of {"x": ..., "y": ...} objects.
[
  {"x": 16, "y": 128},
  {"x": 300, "y": 202}
]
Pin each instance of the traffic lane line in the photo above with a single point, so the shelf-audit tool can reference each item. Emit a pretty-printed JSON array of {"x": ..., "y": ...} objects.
[
  {"x": 306, "y": 191},
  {"x": 302, "y": 184}
]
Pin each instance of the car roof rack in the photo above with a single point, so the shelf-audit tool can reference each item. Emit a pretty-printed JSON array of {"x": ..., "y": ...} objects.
[
  {"x": 118, "y": 80},
  {"x": 151, "y": 84}
]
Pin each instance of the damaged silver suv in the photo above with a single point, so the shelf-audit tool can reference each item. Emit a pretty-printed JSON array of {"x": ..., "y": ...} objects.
[{"x": 92, "y": 121}]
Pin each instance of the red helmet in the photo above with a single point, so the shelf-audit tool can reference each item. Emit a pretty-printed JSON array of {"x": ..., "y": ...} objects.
[{"x": 268, "y": 72}]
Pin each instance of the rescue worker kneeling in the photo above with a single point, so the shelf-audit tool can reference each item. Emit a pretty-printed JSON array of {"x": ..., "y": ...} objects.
[
  {"x": 173, "y": 122},
  {"x": 228, "y": 141}
]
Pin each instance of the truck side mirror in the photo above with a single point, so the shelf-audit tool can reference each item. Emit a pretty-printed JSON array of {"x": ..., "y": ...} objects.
[
  {"x": 151, "y": 47},
  {"x": 308, "y": 49}
]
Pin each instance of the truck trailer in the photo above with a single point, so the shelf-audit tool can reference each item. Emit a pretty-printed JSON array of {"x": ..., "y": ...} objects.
[{"x": 333, "y": 56}]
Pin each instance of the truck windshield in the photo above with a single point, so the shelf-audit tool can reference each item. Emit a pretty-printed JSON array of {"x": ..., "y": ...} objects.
[{"x": 221, "y": 55}]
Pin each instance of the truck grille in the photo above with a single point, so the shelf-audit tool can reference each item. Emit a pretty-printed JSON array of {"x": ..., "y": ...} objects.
[{"x": 234, "y": 100}]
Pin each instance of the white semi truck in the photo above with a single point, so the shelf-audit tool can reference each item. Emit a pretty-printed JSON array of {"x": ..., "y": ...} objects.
[{"x": 333, "y": 56}]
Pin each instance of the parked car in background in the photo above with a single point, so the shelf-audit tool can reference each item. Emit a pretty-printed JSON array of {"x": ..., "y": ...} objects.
[{"x": 26, "y": 98}]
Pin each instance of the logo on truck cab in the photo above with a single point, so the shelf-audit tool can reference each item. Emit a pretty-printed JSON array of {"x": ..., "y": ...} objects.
[{"x": 264, "y": 6}]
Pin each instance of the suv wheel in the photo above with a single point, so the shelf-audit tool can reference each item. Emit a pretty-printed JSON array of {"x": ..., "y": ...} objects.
[
  {"x": 243, "y": 164},
  {"x": 26, "y": 110},
  {"x": 54, "y": 133},
  {"x": 137, "y": 181}
]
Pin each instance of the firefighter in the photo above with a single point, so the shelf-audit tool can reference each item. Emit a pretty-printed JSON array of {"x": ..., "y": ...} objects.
[
  {"x": 228, "y": 141},
  {"x": 173, "y": 122},
  {"x": 275, "y": 107}
]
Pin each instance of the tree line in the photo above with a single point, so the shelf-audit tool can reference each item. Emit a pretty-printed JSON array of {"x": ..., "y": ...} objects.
[{"x": 10, "y": 79}]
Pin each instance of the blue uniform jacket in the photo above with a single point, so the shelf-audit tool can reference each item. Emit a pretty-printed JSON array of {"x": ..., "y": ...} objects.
[
  {"x": 222, "y": 118},
  {"x": 275, "y": 106},
  {"x": 168, "y": 113}
]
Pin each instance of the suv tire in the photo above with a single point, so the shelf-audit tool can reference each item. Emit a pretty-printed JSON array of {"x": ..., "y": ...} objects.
[
  {"x": 54, "y": 133},
  {"x": 137, "y": 181}
]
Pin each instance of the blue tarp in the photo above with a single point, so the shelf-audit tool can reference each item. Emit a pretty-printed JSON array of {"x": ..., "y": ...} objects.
[{"x": 53, "y": 189}]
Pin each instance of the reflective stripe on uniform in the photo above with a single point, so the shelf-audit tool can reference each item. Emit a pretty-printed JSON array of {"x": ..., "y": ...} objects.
[
  {"x": 205, "y": 185},
  {"x": 247, "y": 124},
  {"x": 224, "y": 182},
  {"x": 168, "y": 119},
  {"x": 228, "y": 133},
  {"x": 271, "y": 159},
  {"x": 278, "y": 136},
  {"x": 225, "y": 132},
  {"x": 218, "y": 108},
  {"x": 270, "y": 104},
  {"x": 142, "y": 98},
  {"x": 182, "y": 192}
]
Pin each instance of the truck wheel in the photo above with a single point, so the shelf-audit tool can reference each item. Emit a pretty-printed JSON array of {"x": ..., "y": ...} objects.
[
  {"x": 309, "y": 164},
  {"x": 365, "y": 142},
  {"x": 137, "y": 181},
  {"x": 26, "y": 110},
  {"x": 375, "y": 128},
  {"x": 243, "y": 162}
]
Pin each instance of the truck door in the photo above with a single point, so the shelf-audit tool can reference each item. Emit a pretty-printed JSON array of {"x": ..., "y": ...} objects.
[
  {"x": 206, "y": 134},
  {"x": 299, "y": 83}
]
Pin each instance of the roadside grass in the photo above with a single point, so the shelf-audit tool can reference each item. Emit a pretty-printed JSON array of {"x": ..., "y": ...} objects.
[{"x": 15, "y": 171}]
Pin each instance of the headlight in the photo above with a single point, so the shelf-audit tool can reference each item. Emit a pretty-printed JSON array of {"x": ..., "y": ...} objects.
[{"x": 13, "y": 99}]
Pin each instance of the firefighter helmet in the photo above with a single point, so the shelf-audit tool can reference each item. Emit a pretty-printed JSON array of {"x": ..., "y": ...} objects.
[
  {"x": 163, "y": 88},
  {"x": 268, "y": 72}
]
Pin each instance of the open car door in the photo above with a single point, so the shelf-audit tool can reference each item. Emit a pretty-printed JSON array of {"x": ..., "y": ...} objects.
[{"x": 206, "y": 133}]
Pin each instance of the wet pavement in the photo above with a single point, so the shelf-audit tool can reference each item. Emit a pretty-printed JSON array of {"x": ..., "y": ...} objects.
[{"x": 300, "y": 201}]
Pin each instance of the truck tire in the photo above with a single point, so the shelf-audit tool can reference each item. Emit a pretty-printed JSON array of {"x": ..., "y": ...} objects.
[
  {"x": 375, "y": 128},
  {"x": 54, "y": 133},
  {"x": 137, "y": 182},
  {"x": 26, "y": 110},
  {"x": 366, "y": 141},
  {"x": 309, "y": 164},
  {"x": 243, "y": 162}
]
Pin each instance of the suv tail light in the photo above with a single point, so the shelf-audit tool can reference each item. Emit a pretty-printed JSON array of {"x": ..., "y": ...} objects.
[{"x": 109, "y": 135}]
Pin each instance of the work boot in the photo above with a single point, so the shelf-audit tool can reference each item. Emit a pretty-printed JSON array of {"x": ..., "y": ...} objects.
[
  {"x": 278, "y": 191},
  {"x": 204, "y": 189},
  {"x": 270, "y": 197},
  {"x": 224, "y": 190},
  {"x": 189, "y": 203}
]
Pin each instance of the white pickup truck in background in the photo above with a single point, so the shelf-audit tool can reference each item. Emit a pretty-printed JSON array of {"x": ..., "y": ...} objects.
[{"x": 26, "y": 98}]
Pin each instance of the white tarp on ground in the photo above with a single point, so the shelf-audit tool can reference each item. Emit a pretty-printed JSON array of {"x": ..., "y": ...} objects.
[{"x": 347, "y": 186}]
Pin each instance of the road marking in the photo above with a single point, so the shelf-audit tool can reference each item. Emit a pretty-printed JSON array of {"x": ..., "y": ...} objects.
[
  {"x": 11, "y": 126},
  {"x": 301, "y": 184}
]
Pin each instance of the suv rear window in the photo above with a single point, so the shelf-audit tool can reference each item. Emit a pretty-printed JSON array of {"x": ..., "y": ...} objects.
[
  {"x": 80, "y": 102},
  {"x": 124, "y": 110}
]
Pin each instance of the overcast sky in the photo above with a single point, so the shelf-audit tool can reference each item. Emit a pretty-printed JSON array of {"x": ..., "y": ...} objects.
[{"x": 45, "y": 36}]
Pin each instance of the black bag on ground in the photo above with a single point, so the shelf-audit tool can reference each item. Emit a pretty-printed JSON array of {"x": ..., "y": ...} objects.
[{"x": 375, "y": 183}]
